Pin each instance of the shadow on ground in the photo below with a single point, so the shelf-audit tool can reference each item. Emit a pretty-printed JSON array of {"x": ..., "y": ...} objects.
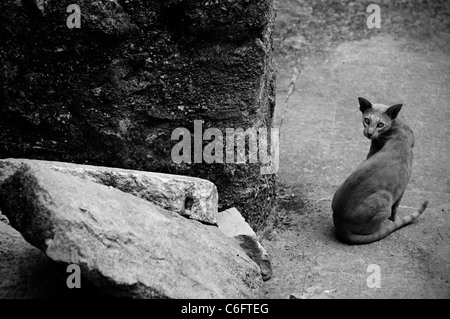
[{"x": 327, "y": 57}]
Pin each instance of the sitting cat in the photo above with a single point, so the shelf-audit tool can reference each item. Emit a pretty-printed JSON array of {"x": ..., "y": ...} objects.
[{"x": 364, "y": 206}]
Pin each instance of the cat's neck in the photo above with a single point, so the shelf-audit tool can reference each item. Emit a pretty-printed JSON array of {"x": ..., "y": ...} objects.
[{"x": 398, "y": 131}]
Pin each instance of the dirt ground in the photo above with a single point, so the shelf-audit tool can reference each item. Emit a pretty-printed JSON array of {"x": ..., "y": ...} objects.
[{"x": 327, "y": 57}]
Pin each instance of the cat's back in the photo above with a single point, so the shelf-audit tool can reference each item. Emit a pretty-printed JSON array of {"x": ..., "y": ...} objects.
[
  {"x": 390, "y": 166},
  {"x": 404, "y": 135}
]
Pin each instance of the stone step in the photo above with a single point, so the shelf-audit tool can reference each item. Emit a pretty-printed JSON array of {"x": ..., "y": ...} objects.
[{"x": 189, "y": 196}]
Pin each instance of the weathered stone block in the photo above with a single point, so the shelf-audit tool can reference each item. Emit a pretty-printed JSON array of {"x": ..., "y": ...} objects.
[{"x": 189, "y": 196}]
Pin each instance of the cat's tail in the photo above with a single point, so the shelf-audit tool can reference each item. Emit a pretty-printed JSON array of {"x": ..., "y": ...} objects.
[{"x": 387, "y": 229}]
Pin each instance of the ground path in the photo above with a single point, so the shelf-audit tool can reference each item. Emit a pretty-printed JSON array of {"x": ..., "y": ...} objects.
[{"x": 322, "y": 143}]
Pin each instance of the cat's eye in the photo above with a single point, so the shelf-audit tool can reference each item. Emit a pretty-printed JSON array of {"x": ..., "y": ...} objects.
[
  {"x": 367, "y": 121},
  {"x": 380, "y": 125}
]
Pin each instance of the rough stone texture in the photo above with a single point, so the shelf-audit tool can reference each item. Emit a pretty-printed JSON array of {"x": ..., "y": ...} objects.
[
  {"x": 191, "y": 197},
  {"x": 123, "y": 244},
  {"x": 26, "y": 273},
  {"x": 232, "y": 224},
  {"x": 257, "y": 253},
  {"x": 111, "y": 92},
  {"x": 3, "y": 218}
]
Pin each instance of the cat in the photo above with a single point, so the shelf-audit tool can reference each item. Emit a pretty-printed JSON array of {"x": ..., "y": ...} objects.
[{"x": 365, "y": 205}]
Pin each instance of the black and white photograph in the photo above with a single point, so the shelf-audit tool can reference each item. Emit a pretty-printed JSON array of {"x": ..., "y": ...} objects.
[{"x": 225, "y": 154}]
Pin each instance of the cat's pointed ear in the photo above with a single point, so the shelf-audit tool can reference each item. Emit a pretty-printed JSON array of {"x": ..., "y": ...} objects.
[
  {"x": 364, "y": 105},
  {"x": 393, "y": 111}
]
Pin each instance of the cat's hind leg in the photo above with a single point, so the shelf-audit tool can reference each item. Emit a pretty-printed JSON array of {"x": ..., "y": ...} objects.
[{"x": 395, "y": 207}]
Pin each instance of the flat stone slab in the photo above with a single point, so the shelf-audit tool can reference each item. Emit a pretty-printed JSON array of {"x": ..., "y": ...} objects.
[
  {"x": 189, "y": 196},
  {"x": 123, "y": 244},
  {"x": 233, "y": 225}
]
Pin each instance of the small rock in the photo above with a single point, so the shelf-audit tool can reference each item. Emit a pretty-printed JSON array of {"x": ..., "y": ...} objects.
[
  {"x": 4, "y": 219},
  {"x": 257, "y": 253},
  {"x": 269, "y": 234},
  {"x": 232, "y": 224}
]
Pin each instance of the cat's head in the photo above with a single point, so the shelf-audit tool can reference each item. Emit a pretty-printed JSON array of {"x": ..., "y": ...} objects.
[{"x": 377, "y": 118}]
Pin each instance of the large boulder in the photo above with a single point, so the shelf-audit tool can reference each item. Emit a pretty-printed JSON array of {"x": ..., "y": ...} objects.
[
  {"x": 189, "y": 196},
  {"x": 112, "y": 92},
  {"x": 123, "y": 244},
  {"x": 27, "y": 273}
]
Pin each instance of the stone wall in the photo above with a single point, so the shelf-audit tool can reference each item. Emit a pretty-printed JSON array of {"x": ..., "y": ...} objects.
[{"x": 112, "y": 92}]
